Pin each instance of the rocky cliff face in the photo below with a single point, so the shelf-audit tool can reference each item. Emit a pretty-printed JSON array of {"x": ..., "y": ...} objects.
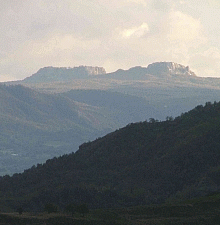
[
  {"x": 50, "y": 74},
  {"x": 94, "y": 70},
  {"x": 169, "y": 68},
  {"x": 65, "y": 74}
]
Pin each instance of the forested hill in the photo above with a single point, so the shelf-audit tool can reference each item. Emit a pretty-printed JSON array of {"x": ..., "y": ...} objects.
[{"x": 147, "y": 162}]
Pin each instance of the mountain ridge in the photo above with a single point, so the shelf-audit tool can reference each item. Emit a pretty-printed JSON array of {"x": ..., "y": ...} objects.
[
  {"x": 109, "y": 101},
  {"x": 159, "y": 75},
  {"x": 169, "y": 68},
  {"x": 64, "y": 73},
  {"x": 82, "y": 72},
  {"x": 36, "y": 126}
]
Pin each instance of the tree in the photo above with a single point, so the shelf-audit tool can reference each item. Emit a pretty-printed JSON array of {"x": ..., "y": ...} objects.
[
  {"x": 71, "y": 208},
  {"x": 50, "y": 208},
  {"x": 20, "y": 210},
  {"x": 169, "y": 118},
  {"x": 82, "y": 209},
  {"x": 152, "y": 120}
]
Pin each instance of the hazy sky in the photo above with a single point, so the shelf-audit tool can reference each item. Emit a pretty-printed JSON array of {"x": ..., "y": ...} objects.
[{"x": 112, "y": 34}]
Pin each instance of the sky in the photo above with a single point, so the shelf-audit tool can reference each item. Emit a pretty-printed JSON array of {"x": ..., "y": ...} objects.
[{"x": 116, "y": 34}]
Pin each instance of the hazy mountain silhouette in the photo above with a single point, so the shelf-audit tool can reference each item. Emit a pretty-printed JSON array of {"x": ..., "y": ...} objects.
[
  {"x": 51, "y": 74},
  {"x": 37, "y": 126},
  {"x": 168, "y": 87}
]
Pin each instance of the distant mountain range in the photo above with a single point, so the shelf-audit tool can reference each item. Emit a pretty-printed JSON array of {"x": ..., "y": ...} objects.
[
  {"x": 142, "y": 163},
  {"x": 168, "y": 87},
  {"x": 159, "y": 69},
  {"x": 55, "y": 110},
  {"x": 51, "y": 74},
  {"x": 37, "y": 126}
]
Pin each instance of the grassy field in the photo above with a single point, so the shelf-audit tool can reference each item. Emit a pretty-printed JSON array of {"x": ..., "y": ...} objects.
[{"x": 202, "y": 211}]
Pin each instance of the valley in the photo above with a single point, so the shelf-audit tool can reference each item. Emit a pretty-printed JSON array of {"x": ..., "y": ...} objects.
[{"x": 57, "y": 109}]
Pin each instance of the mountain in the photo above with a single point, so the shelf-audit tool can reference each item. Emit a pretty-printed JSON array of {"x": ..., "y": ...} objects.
[
  {"x": 37, "y": 126},
  {"x": 157, "y": 69},
  {"x": 142, "y": 163},
  {"x": 51, "y": 74},
  {"x": 169, "y": 69},
  {"x": 155, "y": 72},
  {"x": 124, "y": 108},
  {"x": 168, "y": 87},
  {"x": 61, "y": 108}
]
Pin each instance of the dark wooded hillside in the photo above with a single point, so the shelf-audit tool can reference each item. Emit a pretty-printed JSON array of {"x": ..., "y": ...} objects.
[{"x": 142, "y": 163}]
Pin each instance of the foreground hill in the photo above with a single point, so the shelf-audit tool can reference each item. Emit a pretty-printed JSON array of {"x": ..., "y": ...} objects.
[{"x": 142, "y": 163}]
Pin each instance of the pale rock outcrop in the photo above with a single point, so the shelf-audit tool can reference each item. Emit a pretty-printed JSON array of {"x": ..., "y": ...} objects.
[
  {"x": 169, "y": 68},
  {"x": 50, "y": 74}
]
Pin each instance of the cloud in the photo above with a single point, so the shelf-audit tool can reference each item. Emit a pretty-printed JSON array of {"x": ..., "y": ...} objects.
[
  {"x": 162, "y": 5},
  {"x": 135, "y": 31},
  {"x": 6, "y": 77},
  {"x": 207, "y": 62},
  {"x": 116, "y": 34},
  {"x": 62, "y": 43},
  {"x": 141, "y": 2},
  {"x": 183, "y": 27},
  {"x": 56, "y": 50}
]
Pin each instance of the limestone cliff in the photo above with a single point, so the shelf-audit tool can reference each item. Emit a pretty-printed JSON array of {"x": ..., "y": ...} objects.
[
  {"x": 50, "y": 74},
  {"x": 169, "y": 68}
]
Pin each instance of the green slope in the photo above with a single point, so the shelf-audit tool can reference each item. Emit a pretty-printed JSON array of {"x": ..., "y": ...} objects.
[{"x": 142, "y": 163}]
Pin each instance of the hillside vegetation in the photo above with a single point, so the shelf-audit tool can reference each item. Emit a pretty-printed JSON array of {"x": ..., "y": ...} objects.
[
  {"x": 142, "y": 163},
  {"x": 202, "y": 211}
]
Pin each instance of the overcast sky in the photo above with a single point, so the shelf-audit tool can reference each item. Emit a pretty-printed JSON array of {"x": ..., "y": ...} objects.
[{"x": 112, "y": 34}]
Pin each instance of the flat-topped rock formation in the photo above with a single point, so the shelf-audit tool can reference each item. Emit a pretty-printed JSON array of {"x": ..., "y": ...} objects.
[
  {"x": 50, "y": 74},
  {"x": 169, "y": 68}
]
